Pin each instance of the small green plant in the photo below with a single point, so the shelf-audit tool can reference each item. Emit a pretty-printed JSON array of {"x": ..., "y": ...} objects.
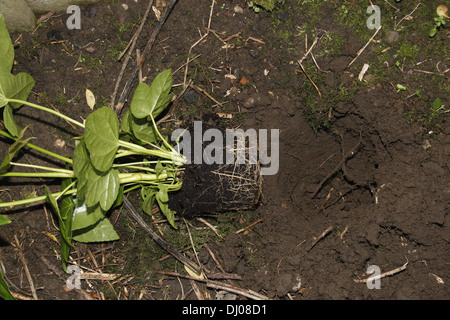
[
  {"x": 268, "y": 5},
  {"x": 436, "y": 110},
  {"x": 95, "y": 179},
  {"x": 439, "y": 21},
  {"x": 431, "y": 118}
]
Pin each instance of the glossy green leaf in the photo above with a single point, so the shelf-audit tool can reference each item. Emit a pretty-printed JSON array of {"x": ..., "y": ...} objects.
[
  {"x": 81, "y": 167},
  {"x": 143, "y": 131},
  {"x": 4, "y": 290},
  {"x": 93, "y": 186},
  {"x": 162, "y": 198},
  {"x": 65, "y": 224},
  {"x": 16, "y": 87},
  {"x": 149, "y": 196},
  {"x": 103, "y": 189},
  {"x": 6, "y": 48},
  {"x": 4, "y": 220},
  {"x": 9, "y": 122},
  {"x": 54, "y": 204},
  {"x": 102, "y": 137},
  {"x": 13, "y": 149},
  {"x": 90, "y": 224},
  {"x": 154, "y": 99},
  {"x": 3, "y": 99}
]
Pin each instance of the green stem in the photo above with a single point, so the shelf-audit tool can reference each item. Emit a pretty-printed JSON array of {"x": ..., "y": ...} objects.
[
  {"x": 56, "y": 113},
  {"x": 160, "y": 136},
  {"x": 41, "y": 167},
  {"x": 170, "y": 155},
  {"x": 39, "y": 149},
  {"x": 38, "y": 174},
  {"x": 35, "y": 199}
]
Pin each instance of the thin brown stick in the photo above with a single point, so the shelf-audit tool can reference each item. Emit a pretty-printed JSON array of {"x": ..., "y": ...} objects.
[
  {"x": 365, "y": 46},
  {"x": 310, "y": 80},
  {"x": 339, "y": 166},
  {"x": 127, "y": 88},
  {"x": 249, "y": 226},
  {"x": 209, "y": 225},
  {"x": 322, "y": 236},
  {"x": 130, "y": 46},
  {"x": 196, "y": 43},
  {"x": 203, "y": 91},
  {"x": 407, "y": 16},
  {"x": 161, "y": 242},
  {"x": 385, "y": 274},
  {"x": 222, "y": 286},
  {"x": 25, "y": 266}
]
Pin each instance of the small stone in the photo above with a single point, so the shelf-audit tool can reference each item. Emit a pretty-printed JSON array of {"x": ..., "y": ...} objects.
[
  {"x": 254, "y": 53},
  {"x": 249, "y": 103},
  {"x": 59, "y": 143},
  {"x": 54, "y": 35},
  {"x": 238, "y": 9},
  {"x": 90, "y": 49},
  {"x": 283, "y": 16},
  {"x": 190, "y": 97},
  {"x": 392, "y": 36}
]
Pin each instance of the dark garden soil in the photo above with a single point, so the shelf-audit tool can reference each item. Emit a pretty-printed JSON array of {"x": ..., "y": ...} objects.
[{"x": 363, "y": 165}]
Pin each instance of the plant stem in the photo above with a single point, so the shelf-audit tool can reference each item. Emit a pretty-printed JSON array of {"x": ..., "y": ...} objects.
[
  {"x": 36, "y": 106},
  {"x": 35, "y": 199},
  {"x": 170, "y": 155},
  {"x": 41, "y": 167},
  {"x": 44, "y": 151},
  {"x": 38, "y": 174}
]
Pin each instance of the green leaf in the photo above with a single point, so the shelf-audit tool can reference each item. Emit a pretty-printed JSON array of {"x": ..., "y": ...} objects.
[
  {"x": 149, "y": 196},
  {"x": 9, "y": 122},
  {"x": 4, "y": 220},
  {"x": 159, "y": 168},
  {"x": 13, "y": 149},
  {"x": 16, "y": 87},
  {"x": 90, "y": 224},
  {"x": 125, "y": 125},
  {"x": 94, "y": 186},
  {"x": 143, "y": 130},
  {"x": 65, "y": 224},
  {"x": 151, "y": 101},
  {"x": 3, "y": 100},
  {"x": 82, "y": 168},
  {"x": 54, "y": 204},
  {"x": 437, "y": 104},
  {"x": 433, "y": 32},
  {"x": 4, "y": 290},
  {"x": 6, "y": 48},
  {"x": 102, "y": 137},
  {"x": 119, "y": 198},
  {"x": 163, "y": 202},
  {"x": 103, "y": 189}
]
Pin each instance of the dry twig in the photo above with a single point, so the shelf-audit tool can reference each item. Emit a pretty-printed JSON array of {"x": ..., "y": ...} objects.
[
  {"x": 127, "y": 88},
  {"x": 385, "y": 274},
  {"x": 365, "y": 46},
  {"x": 340, "y": 166},
  {"x": 25, "y": 266},
  {"x": 131, "y": 45},
  {"x": 222, "y": 286},
  {"x": 319, "y": 238}
]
